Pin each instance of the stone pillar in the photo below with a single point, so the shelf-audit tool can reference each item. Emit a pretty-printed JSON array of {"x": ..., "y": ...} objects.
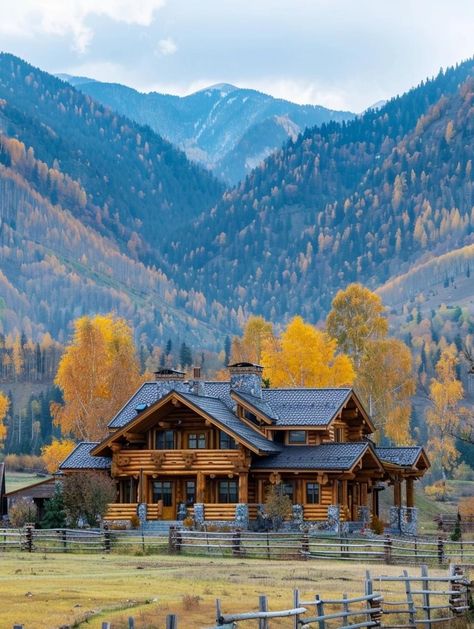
[
  {"x": 182, "y": 511},
  {"x": 297, "y": 512},
  {"x": 334, "y": 518},
  {"x": 199, "y": 515},
  {"x": 242, "y": 515},
  {"x": 408, "y": 520},
  {"x": 395, "y": 519},
  {"x": 364, "y": 515}
]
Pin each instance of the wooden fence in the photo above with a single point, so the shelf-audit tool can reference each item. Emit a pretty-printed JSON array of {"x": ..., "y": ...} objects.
[
  {"x": 447, "y": 522},
  {"x": 416, "y": 601},
  {"x": 304, "y": 546},
  {"x": 236, "y": 543}
]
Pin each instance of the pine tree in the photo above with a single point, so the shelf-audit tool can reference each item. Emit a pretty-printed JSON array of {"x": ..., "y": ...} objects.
[{"x": 54, "y": 513}]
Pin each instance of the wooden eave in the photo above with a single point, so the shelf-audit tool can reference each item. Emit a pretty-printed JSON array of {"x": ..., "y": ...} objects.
[
  {"x": 149, "y": 414},
  {"x": 352, "y": 395},
  {"x": 369, "y": 451}
]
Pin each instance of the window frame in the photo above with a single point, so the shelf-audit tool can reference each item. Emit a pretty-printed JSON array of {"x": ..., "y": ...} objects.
[
  {"x": 297, "y": 443},
  {"x": 228, "y": 493},
  {"x": 309, "y": 495},
  {"x": 199, "y": 438},
  {"x": 233, "y": 445},
  {"x": 164, "y": 433}
]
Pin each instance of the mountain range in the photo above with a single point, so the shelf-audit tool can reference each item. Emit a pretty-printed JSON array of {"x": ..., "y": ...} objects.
[
  {"x": 228, "y": 130},
  {"x": 99, "y": 212}
]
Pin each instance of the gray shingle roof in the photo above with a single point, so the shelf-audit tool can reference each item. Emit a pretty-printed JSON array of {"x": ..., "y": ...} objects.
[
  {"x": 224, "y": 416},
  {"x": 406, "y": 457},
  {"x": 338, "y": 456},
  {"x": 299, "y": 407},
  {"x": 81, "y": 458}
]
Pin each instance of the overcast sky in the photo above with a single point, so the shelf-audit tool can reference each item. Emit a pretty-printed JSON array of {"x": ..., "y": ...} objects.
[{"x": 344, "y": 54}]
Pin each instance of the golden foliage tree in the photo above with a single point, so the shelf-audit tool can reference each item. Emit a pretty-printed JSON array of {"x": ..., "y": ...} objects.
[
  {"x": 386, "y": 382},
  {"x": 357, "y": 316},
  {"x": 55, "y": 453},
  {"x": 97, "y": 373},
  {"x": 303, "y": 356},
  {"x": 4, "y": 405},
  {"x": 248, "y": 347},
  {"x": 445, "y": 416}
]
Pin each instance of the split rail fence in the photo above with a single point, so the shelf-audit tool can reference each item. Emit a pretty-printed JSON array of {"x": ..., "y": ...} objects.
[
  {"x": 285, "y": 545},
  {"x": 388, "y": 602}
]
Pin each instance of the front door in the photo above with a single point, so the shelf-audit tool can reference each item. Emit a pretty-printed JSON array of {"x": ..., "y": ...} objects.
[{"x": 163, "y": 490}]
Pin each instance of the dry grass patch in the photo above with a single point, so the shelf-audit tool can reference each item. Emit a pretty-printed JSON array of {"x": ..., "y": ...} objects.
[{"x": 47, "y": 592}]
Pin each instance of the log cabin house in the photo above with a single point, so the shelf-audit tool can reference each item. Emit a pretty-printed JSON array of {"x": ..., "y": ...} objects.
[{"x": 209, "y": 450}]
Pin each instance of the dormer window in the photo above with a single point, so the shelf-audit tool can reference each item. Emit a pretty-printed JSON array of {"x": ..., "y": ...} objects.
[
  {"x": 250, "y": 416},
  {"x": 297, "y": 437}
]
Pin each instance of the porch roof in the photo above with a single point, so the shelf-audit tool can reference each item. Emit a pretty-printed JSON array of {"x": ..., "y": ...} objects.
[
  {"x": 81, "y": 458},
  {"x": 403, "y": 456},
  {"x": 327, "y": 456}
]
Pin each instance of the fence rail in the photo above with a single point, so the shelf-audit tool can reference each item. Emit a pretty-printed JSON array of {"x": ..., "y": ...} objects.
[
  {"x": 440, "y": 599},
  {"x": 236, "y": 543}
]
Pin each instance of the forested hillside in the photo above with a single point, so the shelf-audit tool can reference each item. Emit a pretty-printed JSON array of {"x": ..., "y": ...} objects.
[
  {"x": 356, "y": 201},
  {"x": 227, "y": 129},
  {"x": 111, "y": 173}
]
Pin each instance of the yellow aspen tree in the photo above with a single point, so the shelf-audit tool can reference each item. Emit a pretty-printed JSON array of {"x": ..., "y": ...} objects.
[
  {"x": 248, "y": 347},
  {"x": 4, "y": 405},
  {"x": 17, "y": 356},
  {"x": 97, "y": 373},
  {"x": 445, "y": 417},
  {"x": 357, "y": 316},
  {"x": 304, "y": 356},
  {"x": 55, "y": 453},
  {"x": 386, "y": 383}
]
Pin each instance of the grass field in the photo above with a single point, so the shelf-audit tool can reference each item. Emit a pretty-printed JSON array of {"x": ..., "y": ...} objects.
[
  {"x": 45, "y": 592},
  {"x": 17, "y": 480}
]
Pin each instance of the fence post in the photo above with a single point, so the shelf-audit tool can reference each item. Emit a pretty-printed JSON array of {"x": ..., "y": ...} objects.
[
  {"x": 29, "y": 538},
  {"x": 426, "y": 595},
  {"x": 296, "y": 603},
  {"x": 440, "y": 550},
  {"x": 345, "y": 609},
  {"x": 410, "y": 602},
  {"x": 375, "y": 616},
  {"x": 305, "y": 545},
  {"x": 171, "y": 621},
  {"x": 64, "y": 539},
  {"x": 106, "y": 538},
  {"x": 387, "y": 546},
  {"x": 236, "y": 543},
  {"x": 131, "y": 623},
  {"x": 263, "y": 607},
  {"x": 320, "y": 611},
  {"x": 268, "y": 546},
  {"x": 174, "y": 539}
]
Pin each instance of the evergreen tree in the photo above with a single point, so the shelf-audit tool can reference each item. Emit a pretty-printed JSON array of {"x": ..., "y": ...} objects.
[{"x": 54, "y": 513}]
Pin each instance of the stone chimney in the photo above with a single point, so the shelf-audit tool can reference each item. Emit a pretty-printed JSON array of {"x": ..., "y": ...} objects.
[
  {"x": 197, "y": 383},
  {"x": 247, "y": 378},
  {"x": 168, "y": 379}
]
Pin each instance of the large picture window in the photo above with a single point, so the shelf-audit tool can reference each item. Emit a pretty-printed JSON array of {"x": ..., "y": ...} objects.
[
  {"x": 228, "y": 491},
  {"x": 197, "y": 440},
  {"x": 312, "y": 493},
  {"x": 165, "y": 440}
]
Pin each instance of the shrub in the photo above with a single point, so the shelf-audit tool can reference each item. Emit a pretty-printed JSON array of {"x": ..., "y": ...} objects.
[
  {"x": 190, "y": 602},
  {"x": 54, "y": 513},
  {"x": 456, "y": 535},
  {"x": 135, "y": 521},
  {"x": 188, "y": 522},
  {"x": 377, "y": 525},
  {"x": 22, "y": 511},
  {"x": 466, "y": 507},
  {"x": 277, "y": 505},
  {"x": 24, "y": 463},
  {"x": 463, "y": 471},
  {"x": 86, "y": 496},
  {"x": 439, "y": 491}
]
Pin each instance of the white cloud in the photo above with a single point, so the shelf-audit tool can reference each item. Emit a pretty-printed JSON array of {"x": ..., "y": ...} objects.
[
  {"x": 69, "y": 17},
  {"x": 166, "y": 47}
]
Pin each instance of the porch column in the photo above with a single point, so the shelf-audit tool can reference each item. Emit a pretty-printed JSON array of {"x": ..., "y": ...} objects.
[
  {"x": 244, "y": 487},
  {"x": 200, "y": 487},
  {"x": 363, "y": 495},
  {"x": 397, "y": 494},
  {"x": 260, "y": 496},
  {"x": 410, "y": 494},
  {"x": 345, "y": 501}
]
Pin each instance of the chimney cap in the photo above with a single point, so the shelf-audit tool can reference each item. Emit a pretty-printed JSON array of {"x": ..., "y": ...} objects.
[
  {"x": 246, "y": 366},
  {"x": 169, "y": 374}
]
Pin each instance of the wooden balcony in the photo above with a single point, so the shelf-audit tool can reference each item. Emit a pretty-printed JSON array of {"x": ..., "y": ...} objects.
[{"x": 131, "y": 462}]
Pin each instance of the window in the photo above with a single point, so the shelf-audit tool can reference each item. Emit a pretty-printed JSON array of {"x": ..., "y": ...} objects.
[
  {"x": 190, "y": 497},
  {"x": 165, "y": 440},
  {"x": 226, "y": 442},
  {"x": 339, "y": 434},
  {"x": 250, "y": 416},
  {"x": 297, "y": 436},
  {"x": 197, "y": 440},
  {"x": 163, "y": 490},
  {"x": 288, "y": 490},
  {"x": 228, "y": 491},
  {"x": 129, "y": 490},
  {"x": 312, "y": 493}
]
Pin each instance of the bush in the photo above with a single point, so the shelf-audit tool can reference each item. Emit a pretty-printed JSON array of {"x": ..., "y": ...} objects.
[
  {"x": 87, "y": 495},
  {"x": 24, "y": 463},
  {"x": 188, "y": 522},
  {"x": 22, "y": 511},
  {"x": 439, "y": 491},
  {"x": 277, "y": 505},
  {"x": 190, "y": 602},
  {"x": 463, "y": 472},
  {"x": 135, "y": 521},
  {"x": 376, "y": 525},
  {"x": 54, "y": 513}
]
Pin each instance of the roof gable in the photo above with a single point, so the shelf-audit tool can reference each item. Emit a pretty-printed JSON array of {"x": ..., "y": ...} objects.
[{"x": 409, "y": 456}]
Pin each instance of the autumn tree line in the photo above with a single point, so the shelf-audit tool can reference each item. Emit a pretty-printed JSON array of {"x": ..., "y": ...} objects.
[{"x": 101, "y": 368}]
